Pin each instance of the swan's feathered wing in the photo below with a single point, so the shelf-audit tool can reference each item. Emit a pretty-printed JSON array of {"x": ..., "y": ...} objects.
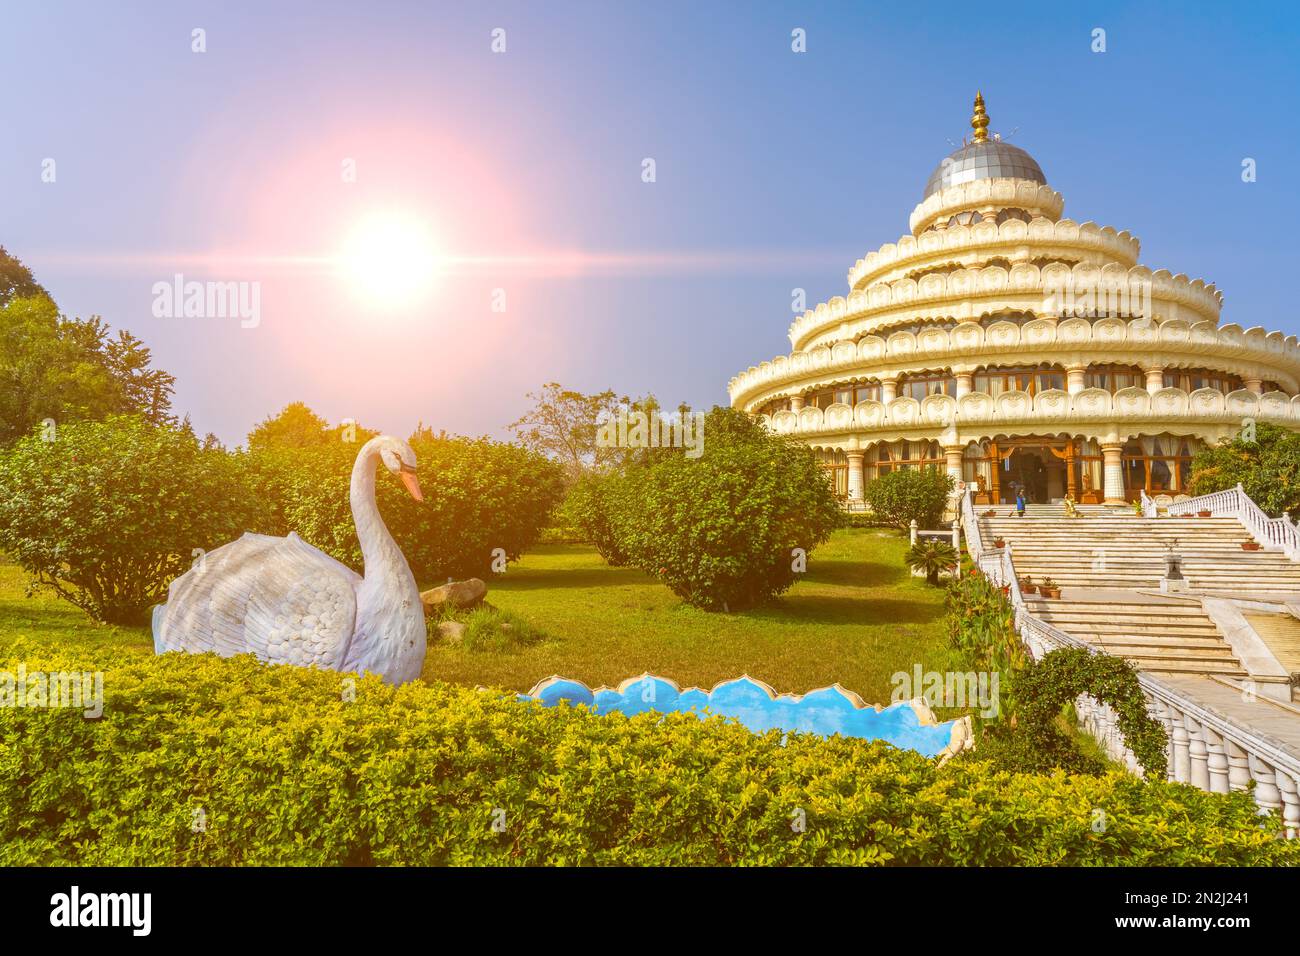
[{"x": 278, "y": 598}]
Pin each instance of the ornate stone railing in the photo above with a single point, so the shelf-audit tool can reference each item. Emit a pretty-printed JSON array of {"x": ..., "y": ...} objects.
[
  {"x": 968, "y": 293},
  {"x": 1207, "y": 749},
  {"x": 1278, "y": 534},
  {"x": 1091, "y": 412},
  {"x": 1148, "y": 504},
  {"x": 1171, "y": 344},
  {"x": 914, "y": 251}
]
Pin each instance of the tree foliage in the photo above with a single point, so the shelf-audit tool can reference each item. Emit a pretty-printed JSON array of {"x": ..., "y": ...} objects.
[
  {"x": 900, "y": 497},
  {"x": 1267, "y": 467},
  {"x": 479, "y": 496},
  {"x": 109, "y": 512},
  {"x": 722, "y": 530},
  {"x": 68, "y": 369}
]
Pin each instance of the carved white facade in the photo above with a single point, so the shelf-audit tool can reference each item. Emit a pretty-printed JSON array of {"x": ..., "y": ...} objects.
[{"x": 998, "y": 331}]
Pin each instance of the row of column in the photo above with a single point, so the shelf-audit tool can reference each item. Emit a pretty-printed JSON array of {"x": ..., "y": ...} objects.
[{"x": 1112, "y": 470}]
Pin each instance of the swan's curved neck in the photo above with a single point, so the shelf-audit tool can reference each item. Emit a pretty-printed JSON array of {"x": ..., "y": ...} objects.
[{"x": 378, "y": 549}]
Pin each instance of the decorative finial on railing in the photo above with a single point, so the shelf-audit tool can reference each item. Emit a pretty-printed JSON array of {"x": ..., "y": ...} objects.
[{"x": 980, "y": 120}]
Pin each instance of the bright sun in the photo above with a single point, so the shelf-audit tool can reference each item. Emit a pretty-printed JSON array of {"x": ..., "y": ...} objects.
[{"x": 390, "y": 259}]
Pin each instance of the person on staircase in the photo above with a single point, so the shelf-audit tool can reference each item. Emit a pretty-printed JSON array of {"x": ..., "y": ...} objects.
[{"x": 1020, "y": 502}]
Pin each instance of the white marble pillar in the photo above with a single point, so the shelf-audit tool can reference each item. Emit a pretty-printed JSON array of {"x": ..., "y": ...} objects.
[
  {"x": 1253, "y": 384},
  {"x": 1113, "y": 473},
  {"x": 953, "y": 456},
  {"x": 888, "y": 389},
  {"x": 964, "y": 381},
  {"x": 855, "y": 475},
  {"x": 1074, "y": 378},
  {"x": 1155, "y": 380},
  {"x": 796, "y": 403}
]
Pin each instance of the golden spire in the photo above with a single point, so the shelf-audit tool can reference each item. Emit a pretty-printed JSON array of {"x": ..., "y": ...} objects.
[{"x": 979, "y": 122}]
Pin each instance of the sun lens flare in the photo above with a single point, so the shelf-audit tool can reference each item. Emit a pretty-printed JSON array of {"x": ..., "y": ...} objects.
[{"x": 390, "y": 260}]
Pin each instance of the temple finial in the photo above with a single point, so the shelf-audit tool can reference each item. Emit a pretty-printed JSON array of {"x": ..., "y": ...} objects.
[{"x": 980, "y": 120}]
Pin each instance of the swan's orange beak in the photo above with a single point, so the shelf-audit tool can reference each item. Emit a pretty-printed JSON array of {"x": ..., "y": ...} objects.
[{"x": 412, "y": 484}]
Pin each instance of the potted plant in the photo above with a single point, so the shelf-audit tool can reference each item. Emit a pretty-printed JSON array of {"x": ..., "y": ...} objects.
[
  {"x": 1027, "y": 585},
  {"x": 931, "y": 558},
  {"x": 1205, "y": 513},
  {"x": 991, "y": 513},
  {"x": 999, "y": 542},
  {"x": 1250, "y": 546},
  {"x": 1049, "y": 588}
]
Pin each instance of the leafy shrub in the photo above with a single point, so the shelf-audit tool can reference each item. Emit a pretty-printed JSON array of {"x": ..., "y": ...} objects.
[
  {"x": 720, "y": 529},
  {"x": 900, "y": 497},
  {"x": 1268, "y": 469},
  {"x": 981, "y": 628},
  {"x": 589, "y": 506},
  {"x": 479, "y": 495},
  {"x": 109, "y": 512},
  {"x": 931, "y": 556},
  {"x": 288, "y": 771}
]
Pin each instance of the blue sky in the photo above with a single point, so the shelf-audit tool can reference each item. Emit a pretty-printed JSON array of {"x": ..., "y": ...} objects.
[{"x": 775, "y": 170}]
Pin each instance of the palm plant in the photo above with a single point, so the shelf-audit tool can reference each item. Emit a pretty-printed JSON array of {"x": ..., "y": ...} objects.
[{"x": 932, "y": 557}]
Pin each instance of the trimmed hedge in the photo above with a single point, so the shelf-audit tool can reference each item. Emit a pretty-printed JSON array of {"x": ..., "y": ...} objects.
[{"x": 286, "y": 771}]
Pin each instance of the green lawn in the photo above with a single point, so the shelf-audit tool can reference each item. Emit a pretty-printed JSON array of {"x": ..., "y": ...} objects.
[{"x": 856, "y": 617}]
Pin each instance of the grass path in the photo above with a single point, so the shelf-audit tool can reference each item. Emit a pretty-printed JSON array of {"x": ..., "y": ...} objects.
[{"x": 856, "y": 618}]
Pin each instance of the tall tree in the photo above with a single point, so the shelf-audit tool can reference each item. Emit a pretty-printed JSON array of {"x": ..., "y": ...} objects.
[
  {"x": 16, "y": 280},
  {"x": 68, "y": 369}
]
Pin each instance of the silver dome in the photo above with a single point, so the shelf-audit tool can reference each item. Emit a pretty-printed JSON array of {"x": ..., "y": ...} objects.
[{"x": 990, "y": 159}]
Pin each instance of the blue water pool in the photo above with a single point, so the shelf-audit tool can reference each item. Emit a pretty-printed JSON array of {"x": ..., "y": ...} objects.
[{"x": 830, "y": 710}]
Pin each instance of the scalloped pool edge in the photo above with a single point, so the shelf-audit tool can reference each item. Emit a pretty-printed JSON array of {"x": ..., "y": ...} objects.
[{"x": 825, "y": 711}]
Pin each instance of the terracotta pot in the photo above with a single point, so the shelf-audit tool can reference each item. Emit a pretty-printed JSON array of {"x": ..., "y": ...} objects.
[
  {"x": 1205, "y": 514},
  {"x": 998, "y": 543},
  {"x": 1052, "y": 592},
  {"x": 1029, "y": 589},
  {"x": 1250, "y": 546}
]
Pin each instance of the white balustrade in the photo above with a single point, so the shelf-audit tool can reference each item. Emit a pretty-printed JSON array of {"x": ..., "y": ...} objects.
[
  {"x": 1278, "y": 534},
  {"x": 1206, "y": 748}
]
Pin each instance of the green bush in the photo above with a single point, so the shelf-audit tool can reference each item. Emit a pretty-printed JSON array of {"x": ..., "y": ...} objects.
[
  {"x": 588, "y": 507},
  {"x": 479, "y": 495},
  {"x": 205, "y": 761},
  {"x": 720, "y": 530},
  {"x": 1268, "y": 469},
  {"x": 109, "y": 512},
  {"x": 932, "y": 557},
  {"x": 900, "y": 497}
]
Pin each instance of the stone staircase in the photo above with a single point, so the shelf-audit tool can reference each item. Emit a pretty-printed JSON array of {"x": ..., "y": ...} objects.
[
  {"x": 1160, "y": 635},
  {"x": 1116, "y": 549}
]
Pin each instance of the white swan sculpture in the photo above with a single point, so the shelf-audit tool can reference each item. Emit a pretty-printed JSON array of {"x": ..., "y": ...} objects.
[{"x": 288, "y": 602}]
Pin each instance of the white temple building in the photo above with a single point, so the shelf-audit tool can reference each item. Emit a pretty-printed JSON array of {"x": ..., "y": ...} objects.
[{"x": 1018, "y": 348}]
